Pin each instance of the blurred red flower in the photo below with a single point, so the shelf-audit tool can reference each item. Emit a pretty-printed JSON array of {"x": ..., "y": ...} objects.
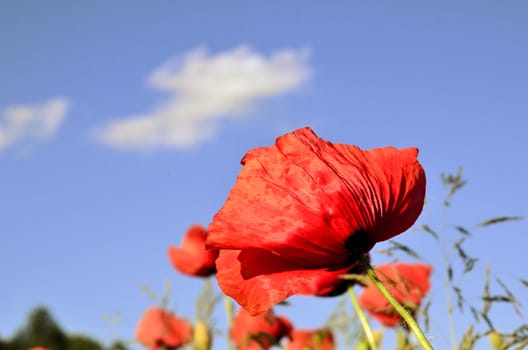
[
  {"x": 408, "y": 283},
  {"x": 258, "y": 332},
  {"x": 301, "y": 339},
  {"x": 304, "y": 206},
  {"x": 161, "y": 329},
  {"x": 38, "y": 348},
  {"x": 192, "y": 258}
]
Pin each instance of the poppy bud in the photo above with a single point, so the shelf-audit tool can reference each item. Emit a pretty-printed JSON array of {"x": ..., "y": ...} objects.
[
  {"x": 378, "y": 336},
  {"x": 202, "y": 336},
  {"x": 495, "y": 339}
]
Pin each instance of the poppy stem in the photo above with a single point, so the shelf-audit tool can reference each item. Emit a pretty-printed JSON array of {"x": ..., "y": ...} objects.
[
  {"x": 362, "y": 318},
  {"x": 228, "y": 307},
  {"x": 411, "y": 322}
]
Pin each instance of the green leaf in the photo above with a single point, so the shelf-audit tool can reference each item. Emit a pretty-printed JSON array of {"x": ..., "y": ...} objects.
[
  {"x": 499, "y": 220},
  {"x": 468, "y": 339},
  {"x": 475, "y": 314},
  {"x": 425, "y": 312},
  {"x": 149, "y": 292},
  {"x": 469, "y": 262},
  {"x": 450, "y": 273},
  {"x": 486, "y": 305},
  {"x": 362, "y": 279},
  {"x": 515, "y": 303},
  {"x": 454, "y": 182},
  {"x": 463, "y": 231},
  {"x": 460, "y": 298},
  {"x": 430, "y": 231},
  {"x": 405, "y": 249}
]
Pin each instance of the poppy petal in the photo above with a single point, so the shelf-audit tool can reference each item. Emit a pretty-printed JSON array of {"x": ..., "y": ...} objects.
[
  {"x": 396, "y": 188},
  {"x": 159, "y": 328},
  {"x": 191, "y": 264},
  {"x": 244, "y": 275},
  {"x": 303, "y": 206},
  {"x": 267, "y": 328},
  {"x": 280, "y": 200},
  {"x": 408, "y": 283},
  {"x": 192, "y": 258},
  {"x": 305, "y": 198},
  {"x": 320, "y": 339},
  {"x": 330, "y": 283}
]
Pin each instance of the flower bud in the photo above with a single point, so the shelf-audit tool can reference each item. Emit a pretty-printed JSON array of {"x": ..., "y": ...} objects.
[
  {"x": 378, "y": 336},
  {"x": 202, "y": 336},
  {"x": 495, "y": 339}
]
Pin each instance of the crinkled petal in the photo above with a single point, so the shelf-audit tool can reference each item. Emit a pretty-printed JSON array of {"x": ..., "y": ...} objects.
[
  {"x": 393, "y": 189},
  {"x": 304, "y": 198},
  {"x": 258, "y": 279}
]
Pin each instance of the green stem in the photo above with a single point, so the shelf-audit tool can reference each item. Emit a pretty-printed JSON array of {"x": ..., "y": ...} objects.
[
  {"x": 396, "y": 305},
  {"x": 228, "y": 307},
  {"x": 450, "y": 308},
  {"x": 447, "y": 281},
  {"x": 362, "y": 318}
]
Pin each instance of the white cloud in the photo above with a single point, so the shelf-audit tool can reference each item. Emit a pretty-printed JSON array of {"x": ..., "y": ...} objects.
[
  {"x": 203, "y": 89},
  {"x": 31, "y": 123}
]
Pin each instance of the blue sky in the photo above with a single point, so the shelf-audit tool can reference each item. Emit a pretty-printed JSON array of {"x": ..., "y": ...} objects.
[{"x": 123, "y": 123}]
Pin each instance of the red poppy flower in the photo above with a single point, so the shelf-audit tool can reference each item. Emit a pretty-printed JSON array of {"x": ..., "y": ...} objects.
[
  {"x": 301, "y": 339},
  {"x": 330, "y": 283},
  {"x": 159, "y": 328},
  {"x": 304, "y": 206},
  {"x": 192, "y": 258},
  {"x": 408, "y": 283},
  {"x": 38, "y": 348},
  {"x": 258, "y": 332}
]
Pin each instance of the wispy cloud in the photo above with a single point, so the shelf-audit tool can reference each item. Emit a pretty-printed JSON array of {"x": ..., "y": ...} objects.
[
  {"x": 31, "y": 123},
  {"x": 203, "y": 89}
]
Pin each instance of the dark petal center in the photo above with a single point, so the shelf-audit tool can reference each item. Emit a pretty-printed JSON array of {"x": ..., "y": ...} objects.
[{"x": 358, "y": 244}]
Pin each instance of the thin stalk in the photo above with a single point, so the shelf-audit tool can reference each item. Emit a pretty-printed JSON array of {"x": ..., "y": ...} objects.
[
  {"x": 362, "y": 318},
  {"x": 452, "y": 335},
  {"x": 396, "y": 305},
  {"x": 230, "y": 315}
]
